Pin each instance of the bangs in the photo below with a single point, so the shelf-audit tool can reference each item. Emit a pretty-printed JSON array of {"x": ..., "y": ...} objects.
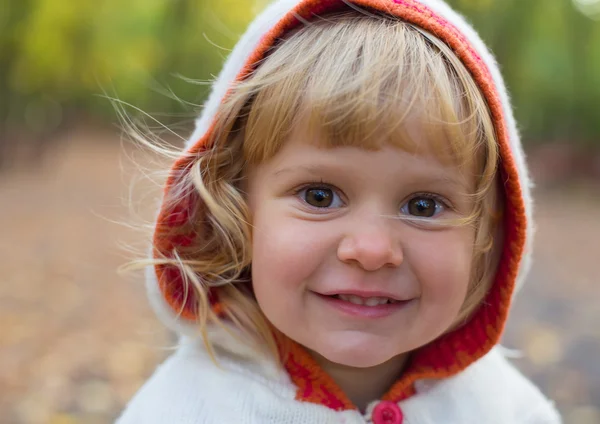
[{"x": 355, "y": 80}]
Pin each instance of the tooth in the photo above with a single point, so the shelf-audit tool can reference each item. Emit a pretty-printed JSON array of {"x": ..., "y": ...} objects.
[
  {"x": 384, "y": 300},
  {"x": 372, "y": 301},
  {"x": 343, "y": 297},
  {"x": 356, "y": 300}
]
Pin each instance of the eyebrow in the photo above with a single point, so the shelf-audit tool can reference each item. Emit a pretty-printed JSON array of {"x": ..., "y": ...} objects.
[
  {"x": 307, "y": 168},
  {"x": 320, "y": 169}
]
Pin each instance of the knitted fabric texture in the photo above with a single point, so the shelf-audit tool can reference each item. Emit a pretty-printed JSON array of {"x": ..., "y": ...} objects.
[
  {"x": 451, "y": 353},
  {"x": 190, "y": 389}
]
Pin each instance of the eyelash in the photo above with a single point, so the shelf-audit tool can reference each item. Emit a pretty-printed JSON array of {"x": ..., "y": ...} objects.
[{"x": 324, "y": 185}]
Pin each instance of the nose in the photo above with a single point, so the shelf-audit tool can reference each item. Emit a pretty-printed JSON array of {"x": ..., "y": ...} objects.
[{"x": 371, "y": 247}]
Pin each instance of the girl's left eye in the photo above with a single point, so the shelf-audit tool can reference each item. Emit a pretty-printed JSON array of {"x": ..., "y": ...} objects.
[
  {"x": 320, "y": 197},
  {"x": 423, "y": 206}
]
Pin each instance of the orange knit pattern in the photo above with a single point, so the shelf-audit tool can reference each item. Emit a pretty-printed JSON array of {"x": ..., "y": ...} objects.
[{"x": 452, "y": 352}]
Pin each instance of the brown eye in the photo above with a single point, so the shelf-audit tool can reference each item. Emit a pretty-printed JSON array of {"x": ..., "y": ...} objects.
[
  {"x": 425, "y": 207},
  {"x": 319, "y": 197}
]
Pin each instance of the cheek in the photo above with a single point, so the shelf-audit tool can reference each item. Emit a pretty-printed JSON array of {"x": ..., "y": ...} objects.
[
  {"x": 445, "y": 269},
  {"x": 285, "y": 252},
  {"x": 286, "y": 258}
]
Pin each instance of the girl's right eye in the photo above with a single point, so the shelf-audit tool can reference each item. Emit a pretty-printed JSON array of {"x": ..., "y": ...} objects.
[{"x": 320, "y": 197}]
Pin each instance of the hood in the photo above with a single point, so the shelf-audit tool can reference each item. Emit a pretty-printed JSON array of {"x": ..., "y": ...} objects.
[{"x": 452, "y": 352}]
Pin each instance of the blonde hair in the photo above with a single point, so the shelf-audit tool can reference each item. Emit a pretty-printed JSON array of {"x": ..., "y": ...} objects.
[{"x": 356, "y": 79}]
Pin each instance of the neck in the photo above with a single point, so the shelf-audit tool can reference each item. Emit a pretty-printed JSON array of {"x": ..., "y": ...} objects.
[{"x": 364, "y": 385}]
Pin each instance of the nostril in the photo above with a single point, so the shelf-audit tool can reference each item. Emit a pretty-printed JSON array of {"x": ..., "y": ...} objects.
[{"x": 370, "y": 251}]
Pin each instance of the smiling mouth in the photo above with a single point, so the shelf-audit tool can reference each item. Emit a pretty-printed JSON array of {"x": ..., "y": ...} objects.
[
  {"x": 364, "y": 307},
  {"x": 368, "y": 301}
]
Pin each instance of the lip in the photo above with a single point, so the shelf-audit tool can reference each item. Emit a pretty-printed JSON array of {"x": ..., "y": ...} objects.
[
  {"x": 364, "y": 294},
  {"x": 363, "y": 311}
]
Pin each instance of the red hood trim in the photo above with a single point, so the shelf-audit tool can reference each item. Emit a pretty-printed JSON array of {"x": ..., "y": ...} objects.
[{"x": 450, "y": 353}]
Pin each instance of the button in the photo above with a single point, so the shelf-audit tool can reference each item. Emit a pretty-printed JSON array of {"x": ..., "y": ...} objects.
[{"x": 387, "y": 412}]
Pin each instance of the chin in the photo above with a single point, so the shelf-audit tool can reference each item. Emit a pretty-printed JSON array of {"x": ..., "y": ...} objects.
[{"x": 356, "y": 357}]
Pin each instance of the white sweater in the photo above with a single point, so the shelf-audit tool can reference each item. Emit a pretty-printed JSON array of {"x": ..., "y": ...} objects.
[{"x": 190, "y": 389}]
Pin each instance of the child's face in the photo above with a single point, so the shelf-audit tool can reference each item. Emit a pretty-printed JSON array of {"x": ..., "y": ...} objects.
[{"x": 324, "y": 225}]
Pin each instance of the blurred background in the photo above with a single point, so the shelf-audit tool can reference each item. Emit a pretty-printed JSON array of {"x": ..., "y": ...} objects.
[{"x": 77, "y": 339}]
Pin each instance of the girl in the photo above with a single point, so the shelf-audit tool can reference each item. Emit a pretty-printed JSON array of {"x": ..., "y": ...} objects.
[{"x": 342, "y": 237}]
